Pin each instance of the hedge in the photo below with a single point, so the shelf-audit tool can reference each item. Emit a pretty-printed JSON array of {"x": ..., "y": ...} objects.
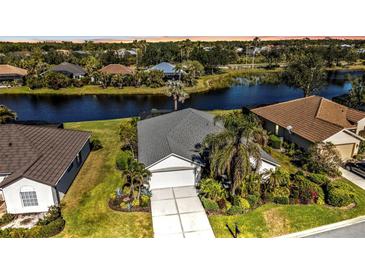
[
  {"x": 209, "y": 204},
  {"x": 340, "y": 194},
  {"x": 319, "y": 179},
  {"x": 275, "y": 141}
]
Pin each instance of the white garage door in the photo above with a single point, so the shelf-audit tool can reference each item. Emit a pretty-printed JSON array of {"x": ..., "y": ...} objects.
[{"x": 172, "y": 179}]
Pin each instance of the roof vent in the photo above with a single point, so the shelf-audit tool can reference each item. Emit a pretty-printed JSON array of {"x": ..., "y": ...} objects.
[
  {"x": 289, "y": 128},
  {"x": 10, "y": 144}
]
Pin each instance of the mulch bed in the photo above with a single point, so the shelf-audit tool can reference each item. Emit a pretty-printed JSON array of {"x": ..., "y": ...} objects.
[{"x": 133, "y": 209}]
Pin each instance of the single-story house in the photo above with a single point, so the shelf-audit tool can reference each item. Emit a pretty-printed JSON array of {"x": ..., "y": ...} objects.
[
  {"x": 169, "y": 70},
  {"x": 38, "y": 165},
  {"x": 70, "y": 70},
  {"x": 116, "y": 69},
  {"x": 314, "y": 119},
  {"x": 11, "y": 73},
  {"x": 168, "y": 145}
]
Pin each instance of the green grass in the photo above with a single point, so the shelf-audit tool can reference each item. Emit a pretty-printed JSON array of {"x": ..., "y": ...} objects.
[
  {"x": 272, "y": 220},
  {"x": 85, "y": 207},
  {"x": 204, "y": 84}
]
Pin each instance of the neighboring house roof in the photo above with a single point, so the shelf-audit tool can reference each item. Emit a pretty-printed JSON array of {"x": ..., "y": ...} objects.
[
  {"x": 313, "y": 118},
  {"x": 70, "y": 68},
  {"x": 179, "y": 132},
  {"x": 11, "y": 70},
  {"x": 39, "y": 153},
  {"x": 116, "y": 69},
  {"x": 165, "y": 67}
]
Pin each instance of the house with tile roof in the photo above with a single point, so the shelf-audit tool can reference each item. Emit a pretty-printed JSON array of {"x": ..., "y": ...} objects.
[
  {"x": 38, "y": 165},
  {"x": 11, "y": 73},
  {"x": 314, "y": 119},
  {"x": 168, "y": 145},
  {"x": 116, "y": 69}
]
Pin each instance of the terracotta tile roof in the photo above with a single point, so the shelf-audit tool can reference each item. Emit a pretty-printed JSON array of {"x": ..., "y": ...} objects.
[
  {"x": 116, "y": 69},
  {"x": 39, "y": 153},
  {"x": 11, "y": 70},
  {"x": 314, "y": 118}
]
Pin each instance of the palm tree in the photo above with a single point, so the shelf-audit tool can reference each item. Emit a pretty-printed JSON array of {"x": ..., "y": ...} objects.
[
  {"x": 274, "y": 178},
  {"x": 6, "y": 115},
  {"x": 234, "y": 151},
  {"x": 176, "y": 90},
  {"x": 137, "y": 176},
  {"x": 357, "y": 92}
]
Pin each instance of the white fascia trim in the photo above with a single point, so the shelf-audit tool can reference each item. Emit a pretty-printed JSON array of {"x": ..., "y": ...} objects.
[
  {"x": 347, "y": 132},
  {"x": 173, "y": 154}
]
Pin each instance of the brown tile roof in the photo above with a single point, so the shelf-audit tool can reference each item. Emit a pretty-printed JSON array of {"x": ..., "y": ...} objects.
[
  {"x": 116, "y": 69},
  {"x": 11, "y": 70},
  {"x": 314, "y": 118},
  {"x": 39, "y": 153}
]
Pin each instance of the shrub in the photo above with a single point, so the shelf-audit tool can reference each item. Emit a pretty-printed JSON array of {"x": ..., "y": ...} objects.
[
  {"x": 241, "y": 202},
  {"x": 145, "y": 201},
  {"x": 253, "y": 200},
  {"x": 123, "y": 160},
  {"x": 95, "y": 144},
  {"x": 6, "y": 218},
  {"x": 340, "y": 194},
  {"x": 284, "y": 200},
  {"x": 55, "y": 80},
  {"x": 53, "y": 213},
  {"x": 212, "y": 189},
  {"x": 35, "y": 82},
  {"x": 319, "y": 179},
  {"x": 325, "y": 159},
  {"x": 305, "y": 190},
  {"x": 209, "y": 204},
  {"x": 274, "y": 141},
  {"x": 235, "y": 210}
]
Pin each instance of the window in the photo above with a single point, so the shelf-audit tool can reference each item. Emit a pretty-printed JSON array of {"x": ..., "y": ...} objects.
[{"x": 29, "y": 198}]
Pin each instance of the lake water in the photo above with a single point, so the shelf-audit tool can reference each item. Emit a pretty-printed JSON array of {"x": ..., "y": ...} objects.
[{"x": 91, "y": 107}]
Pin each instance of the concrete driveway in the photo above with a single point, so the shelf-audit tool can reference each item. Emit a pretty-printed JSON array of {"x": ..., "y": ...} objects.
[
  {"x": 356, "y": 179},
  {"x": 178, "y": 213}
]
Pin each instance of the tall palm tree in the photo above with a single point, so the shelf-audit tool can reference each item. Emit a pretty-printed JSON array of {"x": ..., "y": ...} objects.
[
  {"x": 137, "y": 176},
  {"x": 6, "y": 115},
  {"x": 176, "y": 90},
  {"x": 235, "y": 151}
]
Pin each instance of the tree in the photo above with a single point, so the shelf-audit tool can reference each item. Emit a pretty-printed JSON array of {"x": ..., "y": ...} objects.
[
  {"x": 90, "y": 63},
  {"x": 307, "y": 72},
  {"x": 324, "y": 158},
  {"x": 190, "y": 71},
  {"x": 56, "y": 80},
  {"x": 128, "y": 134},
  {"x": 6, "y": 115},
  {"x": 234, "y": 151},
  {"x": 357, "y": 93},
  {"x": 176, "y": 90},
  {"x": 137, "y": 176},
  {"x": 255, "y": 43}
]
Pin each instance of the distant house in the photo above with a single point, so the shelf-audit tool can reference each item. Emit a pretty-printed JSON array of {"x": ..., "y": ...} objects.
[
  {"x": 169, "y": 147},
  {"x": 70, "y": 70},
  {"x": 38, "y": 165},
  {"x": 168, "y": 69},
  {"x": 315, "y": 119},
  {"x": 11, "y": 73},
  {"x": 124, "y": 52},
  {"x": 117, "y": 69}
]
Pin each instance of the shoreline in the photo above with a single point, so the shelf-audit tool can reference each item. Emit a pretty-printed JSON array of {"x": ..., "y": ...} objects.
[{"x": 204, "y": 84}]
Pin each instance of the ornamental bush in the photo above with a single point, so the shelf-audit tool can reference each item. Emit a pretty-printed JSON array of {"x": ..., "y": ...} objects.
[
  {"x": 305, "y": 190},
  {"x": 212, "y": 189},
  {"x": 235, "y": 210},
  {"x": 95, "y": 144},
  {"x": 319, "y": 179},
  {"x": 340, "y": 194},
  {"x": 284, "y": 200},
  {"x": 209, "y": 204},
  {"x": 253, "y": 199},
  {"x": 123, "y": 159},
  {"x": 6, "y": 218}
]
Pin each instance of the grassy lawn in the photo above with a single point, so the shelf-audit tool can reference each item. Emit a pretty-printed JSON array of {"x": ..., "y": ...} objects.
[{"x": 85, "y": 206}]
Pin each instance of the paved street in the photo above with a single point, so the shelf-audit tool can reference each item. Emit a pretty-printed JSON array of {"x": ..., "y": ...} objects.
[{"x": 351, "y": 231}]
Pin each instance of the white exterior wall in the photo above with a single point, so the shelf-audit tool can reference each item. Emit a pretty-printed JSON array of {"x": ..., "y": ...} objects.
[
  {"x": 14, "y": 203},
  {"x": 344, "y": 138},
  {"x": 186, "y": 173},
  {"x": 360, "y": 125},
  {"x": 265, "y": 166}
]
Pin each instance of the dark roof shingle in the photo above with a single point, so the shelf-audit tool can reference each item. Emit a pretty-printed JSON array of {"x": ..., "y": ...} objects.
[{"x": 39, "y": 153}]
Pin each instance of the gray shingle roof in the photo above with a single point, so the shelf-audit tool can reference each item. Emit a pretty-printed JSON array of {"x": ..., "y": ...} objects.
[
  {"x": 70, "y": 68},
  {"x": 179, "y": 133},
  {"x": 165, "y": 67},
  {"x": 39, "y": 153}
]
